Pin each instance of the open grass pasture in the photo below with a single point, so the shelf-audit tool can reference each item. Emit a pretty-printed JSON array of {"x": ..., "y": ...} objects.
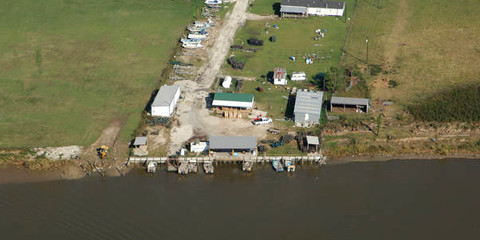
[
  {"x": 425, "y": 46},
  {"x": 265, "y": 7},
  {"x": 69, "y": 68}
]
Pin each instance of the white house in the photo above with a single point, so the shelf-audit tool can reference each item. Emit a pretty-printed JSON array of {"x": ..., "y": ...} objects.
[
  {"x": 165, "y": 102},
  {"x": 311, "y": 7},
  {"x": 298, "y": 76},
  {"x": 280, "y": 76},
  {"x": 233, "y": 100}
]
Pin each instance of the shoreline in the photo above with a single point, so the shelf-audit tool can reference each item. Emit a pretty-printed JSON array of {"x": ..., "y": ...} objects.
[{"x": 11, "y": 173}]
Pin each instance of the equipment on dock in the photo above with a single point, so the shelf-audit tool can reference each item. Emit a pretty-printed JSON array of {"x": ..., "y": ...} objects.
[
  {"x": 289, "y": 166},
  {"x": 208, "y": 167},
  {"x": 247, "y": 166},
  {"x": 152, "y": 167},
  {"x": 277, "y": 165},
  {"x": 102, "y": 152},
  {"x": 183, "y": 168}
]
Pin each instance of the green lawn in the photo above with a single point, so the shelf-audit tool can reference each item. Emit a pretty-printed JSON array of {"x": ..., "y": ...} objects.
[
  {"x": 69, "y": 68},
  {"x": 264, "y": 7}
]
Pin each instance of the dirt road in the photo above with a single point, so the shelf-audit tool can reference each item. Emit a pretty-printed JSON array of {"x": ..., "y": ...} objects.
[{"x": 193, "y": 116}]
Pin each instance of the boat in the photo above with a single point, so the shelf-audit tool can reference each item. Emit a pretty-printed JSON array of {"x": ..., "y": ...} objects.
[
  {"x": 247, "y": 166},
  {"x": 213, "y": 2},
  {"x": 186, "y": 40},
  {"x": 183, "y": 168},
  {"x": 289, "y": 166},
  {"x": 197, "y": 36},
  {"x": 208, "y": 167},
  {"x": 192, "y": 45},
  {"x": 277, "y": 165},
  {"x": 192, "y": 167},
  {"x": 152, "y": 167}
]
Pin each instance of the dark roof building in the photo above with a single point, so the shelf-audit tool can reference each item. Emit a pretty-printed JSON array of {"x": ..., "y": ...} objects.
[
  {"x": 358, "y": 103},
  {"x": 232, "y": 143}
]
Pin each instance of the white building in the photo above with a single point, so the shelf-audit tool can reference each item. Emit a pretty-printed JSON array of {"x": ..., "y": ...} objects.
[
  {"x": 233, "y": 100},
  {"x": 280, "y": 76},
  {"x": 299, "y": 76},
  {"x": 165, "y": 102},
  {"x": 291, "y": 8},
  {"x": 308, "y": 107},
  {"x": 198, "y": 147}
]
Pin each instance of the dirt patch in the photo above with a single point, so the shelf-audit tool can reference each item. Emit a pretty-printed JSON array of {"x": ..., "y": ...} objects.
[{"x": 108, "y": 138}]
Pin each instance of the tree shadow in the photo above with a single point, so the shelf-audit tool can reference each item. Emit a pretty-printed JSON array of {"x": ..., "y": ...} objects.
[
  {"x": 270, "y": 76},
  {"x": 276, "y": 8},
  {"x": 148, "y": 107}
]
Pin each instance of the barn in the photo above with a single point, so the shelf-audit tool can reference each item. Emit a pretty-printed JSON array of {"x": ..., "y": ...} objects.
[
  {"x": 302, "y": 8},
  {"x": 165, "y": 101},
  {"x": 308, "y": 107}
]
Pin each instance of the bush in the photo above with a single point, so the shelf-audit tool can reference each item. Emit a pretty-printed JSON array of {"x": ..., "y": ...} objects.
[
  {"x": 392, "y": 83},
  {"x": 287, "y": 138},
  {"x": 458, "y": 104},
  {"x": 255, "y": 42},
  {"x": 375, "y": 69},
  {"x": 235, "y": 63}
]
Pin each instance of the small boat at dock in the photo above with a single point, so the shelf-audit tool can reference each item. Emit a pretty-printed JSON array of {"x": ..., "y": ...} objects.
[
  {"x": 151, "y": 167},
  {"x": 277, "y": 165},
  {"x": 183, "y": 168},
  {"x": 289, "y": 166},
  {"x": 197, "y": 36},
  {"x": 247, "y": 166},
  {"x": 192, "y": 167},
  {"x": 208, "y": 167}
]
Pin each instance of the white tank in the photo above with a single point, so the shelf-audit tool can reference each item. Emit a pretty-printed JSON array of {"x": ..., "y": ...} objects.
[{"x": 227, "y": 81}]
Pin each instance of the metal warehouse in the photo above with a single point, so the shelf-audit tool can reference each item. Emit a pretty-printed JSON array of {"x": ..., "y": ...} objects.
[
  {"x": 165, "y": 102},
  {"x": 232, "y": 143},
  {"x": 308, "y": 107}
]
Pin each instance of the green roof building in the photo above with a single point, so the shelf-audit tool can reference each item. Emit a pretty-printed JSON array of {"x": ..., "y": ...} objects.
[{"x": 233, "y": 100}]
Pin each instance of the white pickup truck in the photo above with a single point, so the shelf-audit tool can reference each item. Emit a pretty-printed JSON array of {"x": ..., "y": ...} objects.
[{"x": 261, "y": 121}]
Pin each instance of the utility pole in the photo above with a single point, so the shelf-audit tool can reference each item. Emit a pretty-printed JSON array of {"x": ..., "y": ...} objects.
[{"x": 366, "y": 58}]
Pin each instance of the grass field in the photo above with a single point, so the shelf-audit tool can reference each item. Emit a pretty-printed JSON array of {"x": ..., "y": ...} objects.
[
  {"x": 426, "y": 46},
  {"x": 265, "y": 7},
  {"x": 69, "y": 68}
]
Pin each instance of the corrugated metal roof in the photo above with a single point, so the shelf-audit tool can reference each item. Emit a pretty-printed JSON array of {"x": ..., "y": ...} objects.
[
  {"x": 350, "y": 101},
  {"x": 314, "y": 3},
  {"x": 140, "y": 141},
  {"x": 308, "y": 102},
  {"x": 313, "y": 140},
  {"x": 232, "y": 142},
  {"x": 233, "y": 97},
  {"x": 279, "y": 73},
  {"x": 293, "y": 9},
  {"x": 165, "y": 96}
]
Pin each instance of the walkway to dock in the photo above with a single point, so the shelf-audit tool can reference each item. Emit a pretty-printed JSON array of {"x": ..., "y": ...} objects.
[{"x": 255, "y": 159}]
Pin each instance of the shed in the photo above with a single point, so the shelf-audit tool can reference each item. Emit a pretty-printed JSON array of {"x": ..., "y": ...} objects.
[
  {"x": 140, "y": 147},
  {"x": 235, "y": 100},
  {"x": 280, "y": 76},
  {"x": 308, "y": 107},
  {"x": 165, "y": 101},
  {"x": 345, "y": 103},
  {"x": 232, "y": 143},
  {"x": 299, "y": 76},
  {"x": 313, "y": 141}
]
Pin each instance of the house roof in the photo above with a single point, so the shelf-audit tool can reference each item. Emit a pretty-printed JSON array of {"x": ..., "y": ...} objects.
[
  {"x": 308, "y": 102},
  {"x": 350, "y": 101},
  {"x": 140, "y": 141},
  {"x": 232, "y": 142},
  {"x": 293, "y": 9},
  {"x": 165, "y": 96},
  {"x": 236, "y": 97},
  {"x": 279, "y": 73},
  {"x": 314, "y": 3},
  {"x": 313, "y": 140}
]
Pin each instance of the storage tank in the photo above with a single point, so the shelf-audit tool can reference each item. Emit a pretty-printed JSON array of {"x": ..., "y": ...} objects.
[{"x": 227, "y": 81}]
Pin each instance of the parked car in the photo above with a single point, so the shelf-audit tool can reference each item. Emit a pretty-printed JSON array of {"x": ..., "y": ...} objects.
[{"x": 262, "y": 120}]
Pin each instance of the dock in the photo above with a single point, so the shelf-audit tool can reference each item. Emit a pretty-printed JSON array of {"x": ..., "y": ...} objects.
[{"x": 185, "y": 165}]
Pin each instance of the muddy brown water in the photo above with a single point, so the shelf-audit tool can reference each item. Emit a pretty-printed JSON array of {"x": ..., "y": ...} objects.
[{"x": 407, "y": 199}]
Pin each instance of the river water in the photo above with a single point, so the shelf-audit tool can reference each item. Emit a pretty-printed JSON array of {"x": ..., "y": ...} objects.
[{"x": 407, "y": 199}]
